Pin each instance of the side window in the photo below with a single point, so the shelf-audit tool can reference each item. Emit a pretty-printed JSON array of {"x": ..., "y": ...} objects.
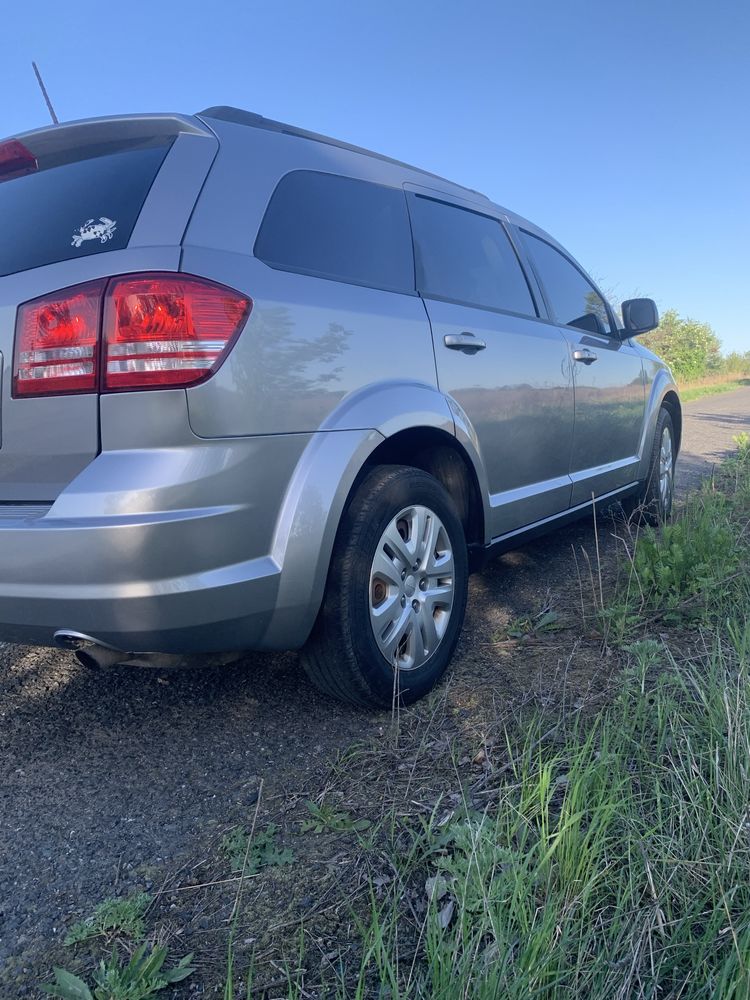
[
  {"x": 338, "y": 227},
  {"x": 574, "y": 300},
  {"x": 467, "y": 257}
]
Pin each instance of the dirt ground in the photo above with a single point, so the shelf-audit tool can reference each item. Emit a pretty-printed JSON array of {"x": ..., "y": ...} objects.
[{"x": 127, "y": 780}]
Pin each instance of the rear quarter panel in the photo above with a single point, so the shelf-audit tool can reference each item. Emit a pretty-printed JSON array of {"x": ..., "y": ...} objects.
[{"x": 309, "y": 342}]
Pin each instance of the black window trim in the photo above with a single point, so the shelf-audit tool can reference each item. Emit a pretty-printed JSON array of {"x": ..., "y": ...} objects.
[
  {"x": 310, "y": 272},
  {"x": 543, "y": 291},
  {"x": 431, "y": 296}
]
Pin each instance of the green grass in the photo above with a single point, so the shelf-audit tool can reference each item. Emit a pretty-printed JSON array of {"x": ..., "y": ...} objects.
[
  {"x": 326, "y": 819},
  {"x": 696, "y": 391},
  {"x": 248, "y": 854},
  {"x": 612, "y": 859},
  {"x": 615, "y": 864},
  {"x": 133, "y": 977},
  {"x": 138, "y": 978},
  {"x": 121, "y": 917},
  {"x": 694, "y": 569}
]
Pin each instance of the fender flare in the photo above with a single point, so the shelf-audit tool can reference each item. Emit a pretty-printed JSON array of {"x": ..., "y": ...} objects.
[
  {"x": 323, "y": 481},
  {"x": 662, "y": 385}
]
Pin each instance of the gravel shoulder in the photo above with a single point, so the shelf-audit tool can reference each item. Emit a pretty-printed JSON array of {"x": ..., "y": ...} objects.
[{"x": 117, "y": 781}]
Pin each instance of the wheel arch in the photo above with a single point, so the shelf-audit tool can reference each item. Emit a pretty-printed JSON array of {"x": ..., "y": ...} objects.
[
  {"x": 663, "y": 393},
  {"x": 671, "y": 401},
  {"x": 442, "y": 456},
  {"x": 430, "y": 436}
]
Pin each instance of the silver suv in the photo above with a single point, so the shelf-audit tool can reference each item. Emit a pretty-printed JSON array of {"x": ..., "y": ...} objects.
[{"x": 262, "y": 389}]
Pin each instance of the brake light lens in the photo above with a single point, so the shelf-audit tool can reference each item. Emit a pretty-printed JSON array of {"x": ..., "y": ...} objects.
[
  {"x": 162, "y": 330},
  {"x": 57, "y": 339},
  {"x": 133, "y": 332},
  {"x": 16, "y": 160}
]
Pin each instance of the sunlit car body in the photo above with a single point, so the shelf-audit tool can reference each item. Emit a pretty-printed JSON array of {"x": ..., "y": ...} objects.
[{"x": 214, "y": 329}]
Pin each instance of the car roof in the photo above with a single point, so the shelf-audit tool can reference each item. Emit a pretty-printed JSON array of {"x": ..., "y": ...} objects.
[
  {"x": 250, "y": 118},
  {"x": 238, "y": 116}
]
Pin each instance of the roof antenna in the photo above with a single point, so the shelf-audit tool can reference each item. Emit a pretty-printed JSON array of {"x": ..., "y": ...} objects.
[{"x": 51, "y": 110}]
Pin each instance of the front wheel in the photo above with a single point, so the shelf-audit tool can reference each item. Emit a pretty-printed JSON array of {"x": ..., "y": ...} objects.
[
  {"x": 654, "y": 501},
  {"x": 396, "y": 592}
]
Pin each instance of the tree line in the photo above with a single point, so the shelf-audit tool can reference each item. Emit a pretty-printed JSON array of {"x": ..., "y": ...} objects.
[{"x": 692, "y": 350}]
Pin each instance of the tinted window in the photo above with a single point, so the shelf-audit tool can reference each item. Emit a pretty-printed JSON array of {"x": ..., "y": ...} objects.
[
  {"x": 338, "y": 227},
  {"x": 467, "y": 257},
  {"x": 85, "y": 206},
  {"x": 573, "y": 299}
]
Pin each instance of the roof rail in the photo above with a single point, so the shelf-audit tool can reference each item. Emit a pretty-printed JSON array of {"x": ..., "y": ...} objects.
[{"x": 240, "y": 117}]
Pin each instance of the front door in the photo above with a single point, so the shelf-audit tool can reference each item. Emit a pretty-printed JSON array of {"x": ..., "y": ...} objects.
[
  {"x": 609, "y": 389},
  {"x": 509, "y": 371}
]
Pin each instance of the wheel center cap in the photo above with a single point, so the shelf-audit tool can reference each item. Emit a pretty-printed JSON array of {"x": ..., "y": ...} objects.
[{"x": 410, "y": 586}]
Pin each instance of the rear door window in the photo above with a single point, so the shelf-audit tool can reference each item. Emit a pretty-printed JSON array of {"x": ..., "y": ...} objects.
[
  {"x": 338, "y": 227},
  {"x": 573, "y": 299},
  {"x": 467, "y": 257},
  {"x": 86, "y": 204}
]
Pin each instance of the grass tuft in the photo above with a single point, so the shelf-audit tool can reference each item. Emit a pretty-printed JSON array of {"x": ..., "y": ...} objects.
[{"x": 122, "y": 917}]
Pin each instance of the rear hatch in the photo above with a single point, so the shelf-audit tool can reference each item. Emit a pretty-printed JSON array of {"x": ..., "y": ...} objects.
[{"x": 82, "y": 202}]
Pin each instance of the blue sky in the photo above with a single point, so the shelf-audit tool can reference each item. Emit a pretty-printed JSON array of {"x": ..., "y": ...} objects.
[{"x": 622, "y": 128}]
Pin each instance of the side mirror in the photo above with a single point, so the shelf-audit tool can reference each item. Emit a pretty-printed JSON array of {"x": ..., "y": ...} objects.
[{"x": 639, "y": 316}]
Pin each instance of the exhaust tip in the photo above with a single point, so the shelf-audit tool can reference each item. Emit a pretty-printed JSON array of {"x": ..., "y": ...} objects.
[
  {"x": 99, "y": 657},
  {"x": 86, "y": 659},
  {"x": 88, "y": 651}
]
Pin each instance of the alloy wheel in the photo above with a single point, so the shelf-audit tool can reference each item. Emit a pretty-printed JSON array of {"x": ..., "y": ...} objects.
[{"x": 411, "y": 587}]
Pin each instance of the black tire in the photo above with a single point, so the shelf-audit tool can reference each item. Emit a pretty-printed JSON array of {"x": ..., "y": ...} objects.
[
  {"x": 342, "y": 657},
  {"x": 650, "y": 504}
]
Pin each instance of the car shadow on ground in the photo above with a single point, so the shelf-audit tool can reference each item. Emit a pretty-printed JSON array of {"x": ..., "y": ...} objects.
[{"x": 720, "y": 418}]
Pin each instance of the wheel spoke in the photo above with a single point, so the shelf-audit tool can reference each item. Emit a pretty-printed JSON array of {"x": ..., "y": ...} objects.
[
  {"x": 384, "y": 567},
  {"x": 441, "y": 567},
  {"x": 387, "y": 612},
  {"x": 427, "y": 541},
  {"x": 416, "y": 648},
  {"x": 393, "y": 541},
  {"x": 440, "y": 596},
  {"x": 440, "y": 556},
  {"x": 393, "y": 636},
  {"x": 429, "y": 632}
]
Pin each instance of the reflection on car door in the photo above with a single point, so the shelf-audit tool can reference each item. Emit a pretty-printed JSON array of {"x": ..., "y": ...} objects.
[
  {"x": 609, "y": 389},
  {"x": 509, "y": 371}
]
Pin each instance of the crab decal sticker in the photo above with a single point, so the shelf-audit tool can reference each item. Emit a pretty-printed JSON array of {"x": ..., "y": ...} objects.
[{"x": 102, "y": 230}]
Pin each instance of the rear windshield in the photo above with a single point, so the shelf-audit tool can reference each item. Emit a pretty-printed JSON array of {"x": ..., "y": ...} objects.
[{"x": 87, "y": 205}]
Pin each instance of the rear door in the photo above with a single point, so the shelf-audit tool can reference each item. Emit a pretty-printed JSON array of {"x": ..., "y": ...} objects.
[
  {"x": 79, "y": 203},
  {"x": 508, "y": 370},
  {"x": 609, "y": 388}
]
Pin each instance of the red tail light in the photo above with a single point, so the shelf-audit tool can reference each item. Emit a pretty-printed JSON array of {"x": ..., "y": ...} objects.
[
  {"x": 57, "y": 340},
  {"x": 155, "y": 331},
  {"x": 162, "y": 330}
]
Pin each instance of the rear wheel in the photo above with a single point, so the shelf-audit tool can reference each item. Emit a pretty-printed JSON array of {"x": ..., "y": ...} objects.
[{"x": 396, "y": 592}]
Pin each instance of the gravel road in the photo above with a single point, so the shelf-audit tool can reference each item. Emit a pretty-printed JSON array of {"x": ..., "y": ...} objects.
[
  {"x": 710, "y": 424},
  {"x": 105, "y": 777}
]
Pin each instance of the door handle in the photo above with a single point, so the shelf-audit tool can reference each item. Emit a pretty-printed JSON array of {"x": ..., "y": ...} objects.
[
  {"x": 465, "y": 342},
  {"x": 585, "y": 356}
]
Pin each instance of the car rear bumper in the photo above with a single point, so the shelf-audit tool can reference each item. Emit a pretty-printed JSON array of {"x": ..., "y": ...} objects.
[
  {"x": 98, "y": 577},
  {"x": 163, "y": 550}
]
